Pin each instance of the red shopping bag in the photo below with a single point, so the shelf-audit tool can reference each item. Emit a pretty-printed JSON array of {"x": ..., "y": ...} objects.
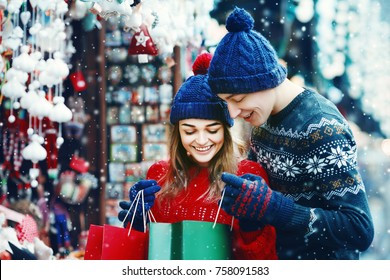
[
  {"x": 119, "y": 244},
  {"x": 93, "y": 248}
]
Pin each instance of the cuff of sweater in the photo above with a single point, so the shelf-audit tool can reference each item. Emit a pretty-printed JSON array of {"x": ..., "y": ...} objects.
[
  {"x": 280, "y": 210},
  {"x": 300, "y": 218},
  {"x": 249, "y": 236},
  {"x": 261, "y": 247}
]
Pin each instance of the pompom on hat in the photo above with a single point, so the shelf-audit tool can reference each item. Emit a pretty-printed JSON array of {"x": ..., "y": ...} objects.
[
  {"x": 194, "y": 99},
  {"x": 244, "y": 61},
  {"x": 202, "y": 63}
]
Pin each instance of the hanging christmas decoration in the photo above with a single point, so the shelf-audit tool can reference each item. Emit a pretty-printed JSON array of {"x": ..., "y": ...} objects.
[
  {"x": 78, "y": 81},
  {"x": 33, "y": 81},
  {"x": 142, "y": 45}
]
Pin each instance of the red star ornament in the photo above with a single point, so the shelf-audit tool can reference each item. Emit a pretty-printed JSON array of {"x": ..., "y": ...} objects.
[{"x": 142, "y": 44}]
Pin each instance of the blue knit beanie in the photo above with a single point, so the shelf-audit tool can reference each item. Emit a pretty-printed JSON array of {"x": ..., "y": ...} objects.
[
  {"x": 244, "y": 61},
  {"x": 194, "y": 100}
]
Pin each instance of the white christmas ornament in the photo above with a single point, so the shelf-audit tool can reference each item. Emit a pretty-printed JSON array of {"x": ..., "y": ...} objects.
[
  {"x": 29, "y": 99},
  {"x": 24, "y": 61},
  {"x": 13, "y": 89},
  {"x": 42, "y": 107},
  {"x": 107, "y": 9},
  {"x": 25, "y": 17},
  {"x": 62, "y": 8},
  {"x": 14, "y": 6},
  {"x": 61, "y": 68},
  {"x": 35, "y": 28},
  {"x": 34, "y": 151},
  {"x": 133, "y": 21},
  {"x": 21, "y": 76},
  {"x": 43, "y": 4},
  {"x": 60, "y": 112}
]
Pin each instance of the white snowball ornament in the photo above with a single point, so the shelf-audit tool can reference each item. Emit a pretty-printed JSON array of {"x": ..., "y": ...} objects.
[
  {"x": 34, "y": 151},
  {"x": 60, "y": 112},
  {"x": 11, "y": 119},
  {"x": 13, "y": 89},
  {"x": 59, "y": 141}
]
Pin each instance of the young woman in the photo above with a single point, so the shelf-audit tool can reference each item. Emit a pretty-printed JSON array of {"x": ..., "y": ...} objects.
[{"x": 201, "y": 148}]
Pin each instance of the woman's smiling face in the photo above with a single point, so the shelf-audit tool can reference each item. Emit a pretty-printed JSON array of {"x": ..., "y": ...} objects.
[{"x": 202, "y": 139}]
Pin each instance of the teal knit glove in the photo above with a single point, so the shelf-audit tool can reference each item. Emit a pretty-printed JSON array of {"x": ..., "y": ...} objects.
[{"x": 249, "y": 198}]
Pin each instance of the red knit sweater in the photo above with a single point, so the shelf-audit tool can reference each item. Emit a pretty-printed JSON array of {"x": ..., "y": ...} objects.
[{"x": 188, "y": 205}]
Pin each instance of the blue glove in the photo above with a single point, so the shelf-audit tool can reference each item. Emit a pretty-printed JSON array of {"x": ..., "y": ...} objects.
[
  {"x": 150, "y": 187},
  {"x": 249, "y": 198}
]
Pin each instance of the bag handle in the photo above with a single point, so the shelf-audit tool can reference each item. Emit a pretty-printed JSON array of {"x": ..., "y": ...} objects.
[
  {"x": 140, "y": 195},
  {"x": 219, "y": 208},
  {"x": 151, "y": 216}
]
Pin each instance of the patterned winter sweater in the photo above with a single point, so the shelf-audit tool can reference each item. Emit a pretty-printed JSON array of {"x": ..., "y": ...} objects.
[
  {"x": 191, "y": 205},
  {"x": 309, "y": 153}
]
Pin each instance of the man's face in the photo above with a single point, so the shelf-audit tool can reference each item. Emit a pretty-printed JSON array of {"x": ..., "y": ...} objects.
[{"x": 254, "y": 108}]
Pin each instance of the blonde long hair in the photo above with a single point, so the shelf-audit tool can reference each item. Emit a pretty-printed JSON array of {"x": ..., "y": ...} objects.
[{"x": 178, "y": 176}]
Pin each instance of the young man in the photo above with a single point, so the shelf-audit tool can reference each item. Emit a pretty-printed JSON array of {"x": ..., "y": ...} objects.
[{"x": 316, "y": 199}]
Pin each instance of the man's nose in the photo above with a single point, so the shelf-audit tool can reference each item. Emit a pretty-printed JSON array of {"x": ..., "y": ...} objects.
[{"x": 234, "y": 111}]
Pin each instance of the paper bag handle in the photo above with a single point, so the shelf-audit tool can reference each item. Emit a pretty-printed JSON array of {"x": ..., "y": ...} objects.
[
  {"x": 136, "y": 201},
  {"x": 219, "y": 208}
]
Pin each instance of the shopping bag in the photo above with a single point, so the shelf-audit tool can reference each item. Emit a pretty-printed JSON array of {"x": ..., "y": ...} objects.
[
  {"x": 189, "y": 240},
  {"x": 203, "y": 241},
  {"x": 160, "y": 242},
  {"x": 93, "y": 248},
  {"x": 121, "y": 243},
  {"x": 118, "y": 244},
  {"x": 109, "y": 242}
]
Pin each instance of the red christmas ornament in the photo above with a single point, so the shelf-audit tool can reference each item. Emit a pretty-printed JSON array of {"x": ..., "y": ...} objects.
[
  {"x": 142, "y": 43},
  {"x": 201, "y": 64},
  {"x": 79, "y": 164},
  {"x": 78, "y": 81}
]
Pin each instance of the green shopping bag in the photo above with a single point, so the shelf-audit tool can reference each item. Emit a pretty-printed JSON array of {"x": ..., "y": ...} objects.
[{"x": 189, "y": 240}]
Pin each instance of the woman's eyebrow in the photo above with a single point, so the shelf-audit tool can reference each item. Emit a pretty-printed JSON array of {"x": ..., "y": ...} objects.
[
  {"x": 189, "y": 125},
  {"x": 214, "y": 124},
  {"x": 211, "y": 124}
]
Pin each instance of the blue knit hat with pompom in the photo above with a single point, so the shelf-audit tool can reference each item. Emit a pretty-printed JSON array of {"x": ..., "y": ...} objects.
[
  {"x": 244, "y": 61},
  {"x": 194, "y": 99}
]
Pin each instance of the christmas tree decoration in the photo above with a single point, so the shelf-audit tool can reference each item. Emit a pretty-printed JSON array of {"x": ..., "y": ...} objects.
[
  {"x": 134, "y": 21},
  {"x": 142, "y": 44},
  {"x": 34, "y": 151},
  {"x": 78, "y": 81},
  {"x": 108, "y": 8}
]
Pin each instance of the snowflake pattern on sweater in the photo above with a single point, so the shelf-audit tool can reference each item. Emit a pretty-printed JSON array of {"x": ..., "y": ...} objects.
[{"x": 310, "y": 156}]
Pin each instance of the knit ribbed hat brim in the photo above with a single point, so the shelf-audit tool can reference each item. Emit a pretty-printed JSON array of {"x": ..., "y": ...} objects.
[
  {"x": 248, "y": 84},
  {"x": 194, "y": 100},
  {"x": 205, "y": 110}
]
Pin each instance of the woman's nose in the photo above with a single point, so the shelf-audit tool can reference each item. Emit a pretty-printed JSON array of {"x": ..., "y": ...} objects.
[{"x": 202, "y": 138}]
